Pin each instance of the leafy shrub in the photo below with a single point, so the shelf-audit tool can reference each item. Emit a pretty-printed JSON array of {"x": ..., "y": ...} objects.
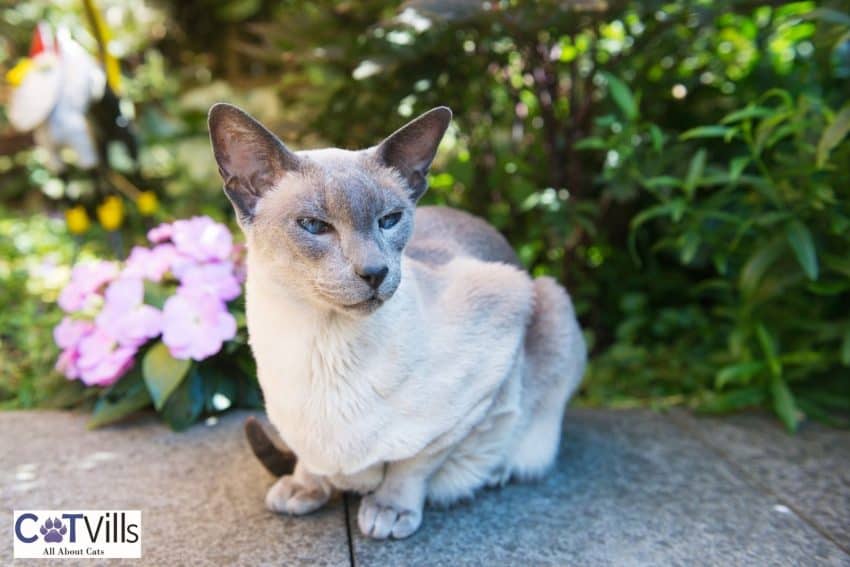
[
  {"x": 34, "y": 254},
  {"x": 759, "y": 239},
  {"x": 680, "y": 166}
]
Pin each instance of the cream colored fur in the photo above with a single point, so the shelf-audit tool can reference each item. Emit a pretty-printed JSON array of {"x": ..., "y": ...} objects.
[{"x": 433, "y": 387}]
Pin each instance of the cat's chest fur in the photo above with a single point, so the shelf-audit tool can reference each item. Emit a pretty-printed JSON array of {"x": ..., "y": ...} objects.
[{"x": 347, "y": 393}]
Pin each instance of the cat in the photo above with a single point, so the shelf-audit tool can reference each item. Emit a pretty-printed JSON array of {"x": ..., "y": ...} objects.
[{"x": 403, "y": 353}]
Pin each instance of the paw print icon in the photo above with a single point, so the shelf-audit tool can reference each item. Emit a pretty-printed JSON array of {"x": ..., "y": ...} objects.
[{"x": 53, "y": 530}]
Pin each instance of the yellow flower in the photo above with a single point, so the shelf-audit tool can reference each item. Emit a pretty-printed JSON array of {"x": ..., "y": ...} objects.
[
  {"x": 111, "y": 213},
  {"x": 77, "y": 219},
  {"x": 147, "y": 203},
  {"x": 15, "y": 75}
]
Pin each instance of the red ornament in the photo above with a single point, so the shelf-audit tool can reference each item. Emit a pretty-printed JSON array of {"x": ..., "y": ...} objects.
[{"x": 42, "y": 40}]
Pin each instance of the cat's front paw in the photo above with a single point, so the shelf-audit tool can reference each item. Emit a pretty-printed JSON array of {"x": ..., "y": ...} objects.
[
  {"x": 381, "y": 520},
  {"x": 289, "y": 496}
]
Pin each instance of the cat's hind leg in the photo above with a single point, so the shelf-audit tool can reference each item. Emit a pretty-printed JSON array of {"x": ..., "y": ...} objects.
[{"x": 555, "y": 358}]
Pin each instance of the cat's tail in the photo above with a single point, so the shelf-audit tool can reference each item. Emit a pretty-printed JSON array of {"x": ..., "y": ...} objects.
[{"x": 275, "y": 459}]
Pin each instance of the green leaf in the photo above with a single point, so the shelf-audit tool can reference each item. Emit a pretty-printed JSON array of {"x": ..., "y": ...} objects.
[
  {"x": 162, "y": 373},
  {"x": 845, "y": 349},
  {"x": 125, "y": 397},
  {"x": 766, "y": 127},
  {"x": 737, "y": 166},
  {"x": 784, "y": 96},
  {"x": 706, "y": 132},
  {"x": 238, "y": 10},
  {"x": 661, "y": 181},
  {"x": 781, "y": 132},
  {"x": 721, "y": 264},
  {"x": 765, "y": 187},
  {"x": 186, "y": 403},
  {"x": 622, "y": 96},
  {"x": 657, "y": 137},
  {"x": 746, "y": 113},
  {"x": 833, "y": 135},
  {"x": 674, "y": 208},
  {"x": 733, "y": 400},
  {"x": 803, "y": 245},
  {"x": 840, "y": 264},
  {"x": 771, "y": 352},
  {"x": 783, "y": 403},
  {"x": 761, "y": 260},
  {"x": 591, "y": 143},
  {"x": 740, "y": 373},
  {"x": 808, "y": 358},
  {"x": 835, "y": 287},
  {"x": 771, "y": 218},
  {"x": 722, "y": 216},
  {"x": 156, "y": 294},
  {"x": 695, "y": 170},
  {"x": 690, "y": 246}
]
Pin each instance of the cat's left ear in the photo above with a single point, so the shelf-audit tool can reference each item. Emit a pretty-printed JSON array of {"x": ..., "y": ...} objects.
[{"x": 412, "y": 148}]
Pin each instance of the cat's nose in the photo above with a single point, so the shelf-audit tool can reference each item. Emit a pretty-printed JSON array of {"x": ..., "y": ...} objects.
[{"x": 373, "y": 274}]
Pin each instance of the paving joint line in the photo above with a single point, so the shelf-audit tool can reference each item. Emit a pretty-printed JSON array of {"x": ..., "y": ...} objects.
[
  {"x": 346, "y": 501},
  {"x": 755, "y": 483}
]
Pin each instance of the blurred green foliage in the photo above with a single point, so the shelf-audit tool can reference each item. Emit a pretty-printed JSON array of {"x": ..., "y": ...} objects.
[
  {"x": 681, "y": 166},
  {"x": 35, "y": 255}
]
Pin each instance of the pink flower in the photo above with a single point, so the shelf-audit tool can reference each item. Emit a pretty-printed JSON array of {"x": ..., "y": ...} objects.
[
  {"x": 160, "y": 233},
  {"x": 68, "y": 334},
  {"x": 202, "y": 239},
  {"x": 215, "y": 279},
  {"x": 125, "y": 316},
  {"x": 195, "y": 325},
  {"x": 86, "y": 280},
  {"x": 102, "y": 361},
  {"x": 100, "y": 353},
  {"x": 67, "y": 363},
  {"x": 152, "y": 263}
]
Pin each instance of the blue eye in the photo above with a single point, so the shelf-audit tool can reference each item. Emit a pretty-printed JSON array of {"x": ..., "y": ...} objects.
[
  {"x": 389, "y": 221},
  {"x": 314, "y": 226}
]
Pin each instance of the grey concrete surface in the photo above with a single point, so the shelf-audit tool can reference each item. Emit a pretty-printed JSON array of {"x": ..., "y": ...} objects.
[
  {"x": 809, "y": 471},
  {"x": 630, "y": 488},
  {"x": 200, "y": 492}
]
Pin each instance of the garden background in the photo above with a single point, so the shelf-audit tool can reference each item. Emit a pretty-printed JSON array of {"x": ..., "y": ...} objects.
[{"x": 681, "y": 166}]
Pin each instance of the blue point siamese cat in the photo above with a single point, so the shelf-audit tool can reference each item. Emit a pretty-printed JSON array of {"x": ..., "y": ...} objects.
[{"x": 403, "y": 352}]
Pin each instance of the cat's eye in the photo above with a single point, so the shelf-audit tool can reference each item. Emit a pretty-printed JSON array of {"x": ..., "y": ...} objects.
[
  {"x": 314, "y": 226},
  {"x": 389, "y": 221}
]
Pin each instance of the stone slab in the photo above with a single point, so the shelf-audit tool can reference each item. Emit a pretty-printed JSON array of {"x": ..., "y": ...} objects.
[
  {"x": 630, "y": 488},
  {"x": 809, "y": 471},
  {"x": 200, "y": 492}
]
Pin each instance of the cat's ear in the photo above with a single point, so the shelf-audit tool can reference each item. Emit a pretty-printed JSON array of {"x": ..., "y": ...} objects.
[
  {"x": 251, "y": 160},
  {"x": 411, "y": 148}
]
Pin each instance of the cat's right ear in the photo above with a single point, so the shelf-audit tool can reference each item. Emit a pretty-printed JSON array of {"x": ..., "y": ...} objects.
[{"x": 251, "y": 160}]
